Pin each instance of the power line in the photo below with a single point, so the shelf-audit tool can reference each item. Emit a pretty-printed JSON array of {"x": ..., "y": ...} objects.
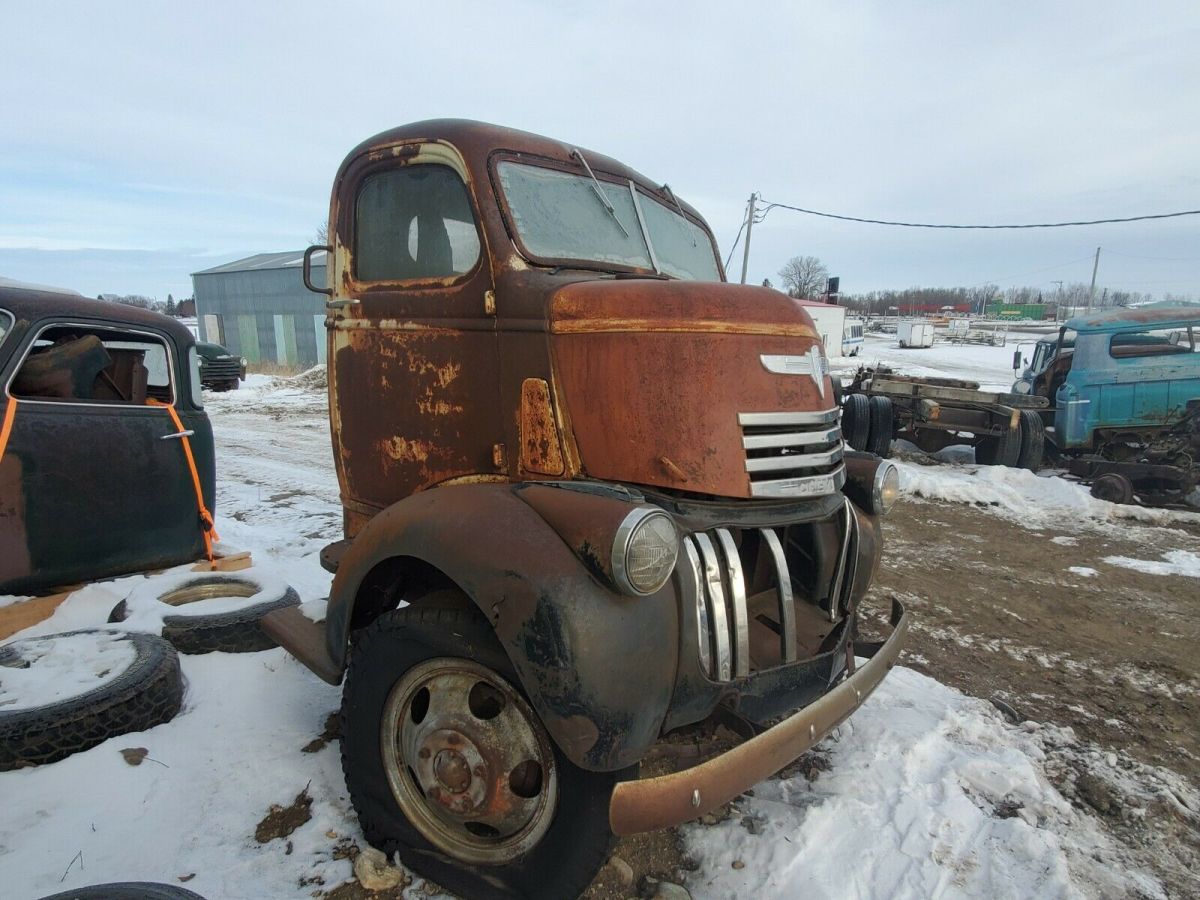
[
  {"x": 729, "y": 258},
  {"x": 813, "y": 212},
  {"x": 1062, "y": 265}
]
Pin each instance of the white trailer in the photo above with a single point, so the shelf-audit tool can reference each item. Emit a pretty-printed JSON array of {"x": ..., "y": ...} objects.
[
  {"x": 830, "y": 321},
  {"x": 917, "y": 333}
]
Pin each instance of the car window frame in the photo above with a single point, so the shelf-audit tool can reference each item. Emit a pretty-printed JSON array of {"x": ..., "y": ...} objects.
[
  {"x": 34, "y": 335},
  {"x": 620, "y": 181},
  {"x": 364, "y": 173}
]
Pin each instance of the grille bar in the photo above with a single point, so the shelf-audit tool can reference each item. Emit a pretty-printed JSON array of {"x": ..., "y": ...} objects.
[
  {"x": 794, "y": 461},
  {"x": 810, "y": 486},
  {"x": 716, "y": 592},
  {"x": 775, "y": 419},
  {"x": 704, "y": 632},
  {"x": 790, "y": 439},
  {"x": 737, "y": 603},
  {"x": 783, "y": 581}
]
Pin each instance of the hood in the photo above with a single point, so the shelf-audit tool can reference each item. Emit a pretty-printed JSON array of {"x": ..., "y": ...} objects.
[{"x": 683, "y": 385}]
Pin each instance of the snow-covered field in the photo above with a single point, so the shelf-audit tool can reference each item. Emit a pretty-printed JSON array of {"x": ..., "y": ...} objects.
[{"x": 925, "y": 792}]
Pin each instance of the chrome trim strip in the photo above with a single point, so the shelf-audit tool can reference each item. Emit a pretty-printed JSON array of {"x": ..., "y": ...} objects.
[
  {"x": 794, "y": 461},
  {"x": 704, "y": 634},
  {"x": 720, "y": 621},
  {"x": 790, "y": 439},
  {"x": 810, "y": 486},
  {"x": 783, "y": 580},
  {"x": 737, "y": 602},
  {"x": 852, "y": 566},
  {"x": 824, "y": 417},
  {"x": 839, "y": 574}
]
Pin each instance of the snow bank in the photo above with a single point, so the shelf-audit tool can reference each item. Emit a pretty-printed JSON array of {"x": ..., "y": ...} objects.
[
  {"x": 1036, "y": 501},
  {"x": 928, "y": 794}
]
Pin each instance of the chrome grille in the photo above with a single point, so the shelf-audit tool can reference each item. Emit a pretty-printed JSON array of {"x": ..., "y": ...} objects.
[
  {"x": 719, "y": 581},
  {"x": 793, "y": 454}
]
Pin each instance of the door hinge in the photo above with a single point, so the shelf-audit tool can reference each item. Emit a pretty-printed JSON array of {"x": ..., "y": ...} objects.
[
  {"x": 489, "y": 302},
  {"x": 499, "y": 457}
]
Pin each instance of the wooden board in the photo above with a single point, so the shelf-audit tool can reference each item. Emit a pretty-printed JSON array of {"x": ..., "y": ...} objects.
[
  {"x": 233, "y": 562},
  {"x": 19, "y": 616}
]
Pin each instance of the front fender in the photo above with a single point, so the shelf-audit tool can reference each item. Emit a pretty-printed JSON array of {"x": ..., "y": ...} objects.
[{"x": 598, "y": 666}]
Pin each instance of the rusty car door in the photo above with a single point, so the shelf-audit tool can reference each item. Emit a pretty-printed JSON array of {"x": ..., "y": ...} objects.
[
  {"x": 413, "y": 371},
  {"x": 93, "y": 482}
]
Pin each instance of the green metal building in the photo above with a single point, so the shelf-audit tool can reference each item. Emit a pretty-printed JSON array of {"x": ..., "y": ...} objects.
[{"x": 259, "y": 308}]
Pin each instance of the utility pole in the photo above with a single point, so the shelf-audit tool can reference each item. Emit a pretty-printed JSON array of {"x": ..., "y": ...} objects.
[
  {"x": 1058, "y": 309},
  {"x": 1092, "y": 289},
  {"x": 746, "y": 249}
]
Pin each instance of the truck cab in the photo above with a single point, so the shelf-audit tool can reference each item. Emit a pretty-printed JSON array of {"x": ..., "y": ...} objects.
[
  {"x": 1117, "y": 378},
  {"x": 593, "y": 493}
]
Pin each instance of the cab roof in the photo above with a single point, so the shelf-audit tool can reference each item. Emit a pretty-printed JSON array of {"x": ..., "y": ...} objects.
[
  {"x": 1135, "y": 319},
  {"x": 31, "y": 303}
]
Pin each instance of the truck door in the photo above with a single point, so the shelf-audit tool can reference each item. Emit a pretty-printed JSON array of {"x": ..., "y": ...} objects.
[
  {"x": 413, "y": 361},
  {"x": 93, "y": 480}
]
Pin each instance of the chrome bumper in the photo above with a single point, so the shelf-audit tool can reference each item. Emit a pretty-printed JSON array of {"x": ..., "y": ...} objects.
[{"x": 667, "y": 800}]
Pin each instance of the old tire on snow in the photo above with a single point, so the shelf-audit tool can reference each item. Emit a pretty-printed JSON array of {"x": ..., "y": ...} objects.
[
  {"x": 230, "y": 630},
  {"x": 1003, "y": 449},
  {"x": 554, "y": 835},
  {"x": 882, "y": 427},
  {"x": 856, "y": 421},
  {"x": 127, "y": 890},
  {"x": 1113, "y": 487},
  {"x": 133, "y": 684},
  {"x": 1033, "y": 441}
]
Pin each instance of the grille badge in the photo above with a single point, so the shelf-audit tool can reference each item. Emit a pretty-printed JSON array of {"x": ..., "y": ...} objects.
[{"x": 812, "y": 363}]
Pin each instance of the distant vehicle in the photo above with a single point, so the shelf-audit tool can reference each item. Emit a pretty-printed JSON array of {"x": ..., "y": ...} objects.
[
  {"x": 98, "y": 404},
  {"x": 915, "y": 334},
  {"x": 852, "y": 336},
  {"x": 1124, "y": 394},
  {"x": 220, "y": 370}
]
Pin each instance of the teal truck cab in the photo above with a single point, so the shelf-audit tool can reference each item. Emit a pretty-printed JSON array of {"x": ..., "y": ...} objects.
[{"x": 1124, "y": 392}]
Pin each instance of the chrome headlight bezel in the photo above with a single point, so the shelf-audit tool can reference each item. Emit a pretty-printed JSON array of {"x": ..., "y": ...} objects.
[
  {"x": 880, "y": 505},
  {"x": 631, "y": 526}
]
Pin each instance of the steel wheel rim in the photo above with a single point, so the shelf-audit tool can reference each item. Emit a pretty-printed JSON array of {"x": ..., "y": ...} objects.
[{"x": 467, "y": 761}]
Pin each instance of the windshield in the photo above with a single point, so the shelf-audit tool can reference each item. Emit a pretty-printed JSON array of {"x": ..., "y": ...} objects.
[{"x": 560, "y": 216}]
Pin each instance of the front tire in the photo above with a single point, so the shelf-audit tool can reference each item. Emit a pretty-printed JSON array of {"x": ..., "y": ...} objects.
[{"x": 448, "y": 765}]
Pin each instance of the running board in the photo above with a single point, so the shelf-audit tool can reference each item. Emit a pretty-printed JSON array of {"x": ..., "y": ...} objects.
[{"x": 304, "y": 639}]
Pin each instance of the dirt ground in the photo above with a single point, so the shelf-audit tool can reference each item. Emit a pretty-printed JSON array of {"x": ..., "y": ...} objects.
[{"x": 1115, "y": 656}]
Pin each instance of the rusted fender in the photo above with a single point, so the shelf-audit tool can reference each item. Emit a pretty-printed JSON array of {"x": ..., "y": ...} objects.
[{"x": 597, "y": 665}]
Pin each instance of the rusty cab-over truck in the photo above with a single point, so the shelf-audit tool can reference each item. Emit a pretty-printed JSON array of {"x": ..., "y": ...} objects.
[{"x": 592, "y": 494}]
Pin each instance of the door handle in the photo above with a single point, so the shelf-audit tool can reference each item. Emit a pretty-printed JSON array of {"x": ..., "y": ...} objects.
[{"x": 178, "y": 434}]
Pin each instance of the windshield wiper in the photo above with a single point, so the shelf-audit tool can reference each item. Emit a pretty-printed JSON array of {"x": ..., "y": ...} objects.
[
  {"x": 600, "y": 193},
  {"x": 670, "y": 193}
]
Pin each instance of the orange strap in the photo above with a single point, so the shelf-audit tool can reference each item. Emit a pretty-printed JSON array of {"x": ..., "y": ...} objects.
[
  {"x": 10, "y": 412},
  {"x": 207, "y": 528}
]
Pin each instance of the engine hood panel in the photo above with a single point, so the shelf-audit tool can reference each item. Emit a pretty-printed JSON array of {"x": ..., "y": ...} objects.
[{"x": 652, "y": 377}]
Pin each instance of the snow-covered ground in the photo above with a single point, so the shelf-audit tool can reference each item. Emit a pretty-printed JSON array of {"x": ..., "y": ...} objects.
[{"x": 924, "y": 792}]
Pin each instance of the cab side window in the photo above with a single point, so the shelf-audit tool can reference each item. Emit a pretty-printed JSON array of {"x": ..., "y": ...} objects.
[
  {"x": 414, "y": 223},
  {"x": 94, "y": 365}
]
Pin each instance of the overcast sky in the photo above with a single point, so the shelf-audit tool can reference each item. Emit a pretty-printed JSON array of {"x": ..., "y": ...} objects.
[{"x": 145, "y": 141}]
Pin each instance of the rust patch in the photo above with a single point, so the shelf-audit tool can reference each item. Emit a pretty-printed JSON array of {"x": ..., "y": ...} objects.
[
  {"x": 541, "y": 446},
  {"x": 403, "y": 450}
]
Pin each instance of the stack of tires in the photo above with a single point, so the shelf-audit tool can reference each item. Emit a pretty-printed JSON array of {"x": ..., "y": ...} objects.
[{"x": 868, "y": 424}]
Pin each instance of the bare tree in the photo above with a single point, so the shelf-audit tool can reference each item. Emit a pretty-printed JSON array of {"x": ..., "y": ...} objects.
[
  {"x": 321, "y": 236},
  {"x": 804, "y": 277}
]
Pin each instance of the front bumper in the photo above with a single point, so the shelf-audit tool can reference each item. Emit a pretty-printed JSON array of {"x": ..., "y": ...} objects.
[{"x": 668, "y": 800}]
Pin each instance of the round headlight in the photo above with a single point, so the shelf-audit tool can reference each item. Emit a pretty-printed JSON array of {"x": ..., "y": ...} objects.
[
  {"x": 644, "y": 551},
  {"x": 886, "y": 488}
]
